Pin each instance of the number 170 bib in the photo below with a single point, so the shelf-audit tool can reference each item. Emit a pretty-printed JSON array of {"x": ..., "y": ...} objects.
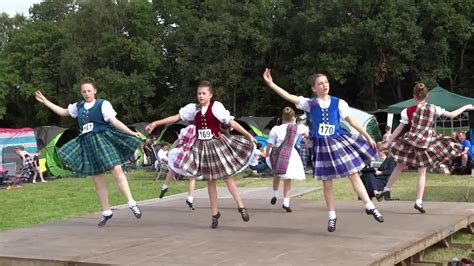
[{"x": 326, "y": 129}]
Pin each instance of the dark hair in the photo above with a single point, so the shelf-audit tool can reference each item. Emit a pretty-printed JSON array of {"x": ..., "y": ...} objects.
[
  {"x": 314, "y": 77},
  {"x": 207, "y": 84},
  {"x": 89, "y": 80},
  {"x": 259, "y": 145},
  {"x": 387, "y": 128},
  {"x": 420, "y": 91}
]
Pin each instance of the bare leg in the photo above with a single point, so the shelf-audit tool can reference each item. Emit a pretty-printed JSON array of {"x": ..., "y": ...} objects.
[
  {"x": 101, "y": 189},
  {"x": 395, "y": 175},
  {"x": 464, "y": 160},
  {"x": 192, "y": 185},
  {"x": 232, "y": 187},
  {"x": 276, "y": 183},
  {"x": 420, "y": 187},
  {"x": 359, "y": 188},
  {"x": 328, "y": 195},
  {"x": 212, "y": 190},
  {"x": 34, "y": 176},
  {"x": 40, "y": 174},
  {"x": 286, "y": 188},
  {"x": 169, "y": 176},
  {"x": 122, "y": 183}
]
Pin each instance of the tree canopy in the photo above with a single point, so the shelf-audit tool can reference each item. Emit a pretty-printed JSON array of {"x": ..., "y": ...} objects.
[{"x": 147, "y": 57}]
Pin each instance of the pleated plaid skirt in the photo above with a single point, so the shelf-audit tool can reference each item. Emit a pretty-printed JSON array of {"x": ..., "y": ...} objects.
[
  {"x": 442, "y": 150},
  {"x": 341, "y": 156},
  {"x": 97, "y": 152},
  {"x": 219, "y": 157}
]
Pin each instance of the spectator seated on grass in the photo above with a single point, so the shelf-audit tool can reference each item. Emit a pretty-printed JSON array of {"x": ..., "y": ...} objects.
[
  {"x": 462, "y": 164},
  {"x": 257, "y": 162}
]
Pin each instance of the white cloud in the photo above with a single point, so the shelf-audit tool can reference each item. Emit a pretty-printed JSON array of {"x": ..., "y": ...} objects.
[{"x": 11, "y": 7}]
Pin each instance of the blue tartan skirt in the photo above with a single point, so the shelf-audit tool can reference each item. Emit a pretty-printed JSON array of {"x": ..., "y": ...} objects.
[
  {"x": 219, "y": 157},
  {"x": 340, "y": 156},
  {"x": 97, "y": 152}
]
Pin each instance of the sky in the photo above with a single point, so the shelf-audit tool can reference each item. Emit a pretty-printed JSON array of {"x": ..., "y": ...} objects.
[{"x": 11, "y": 7}]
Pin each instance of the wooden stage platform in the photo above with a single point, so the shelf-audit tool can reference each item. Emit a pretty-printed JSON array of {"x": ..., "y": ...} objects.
[{"x": 170, "y": 234}]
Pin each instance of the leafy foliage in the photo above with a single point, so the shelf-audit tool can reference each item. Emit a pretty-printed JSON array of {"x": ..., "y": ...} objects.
[{"x": 147, "y": 57}]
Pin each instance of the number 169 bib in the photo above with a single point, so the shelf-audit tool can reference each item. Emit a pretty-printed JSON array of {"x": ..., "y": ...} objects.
[{"x": 204, "y": 134}]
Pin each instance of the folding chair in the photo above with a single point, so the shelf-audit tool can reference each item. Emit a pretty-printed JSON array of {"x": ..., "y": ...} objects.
[
  {"x": 161, "y": 169},
  {"x": 10, "y": 176}
]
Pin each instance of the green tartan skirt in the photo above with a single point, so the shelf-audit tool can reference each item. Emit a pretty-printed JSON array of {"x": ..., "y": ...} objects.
[{"x": 97, "y": 152}]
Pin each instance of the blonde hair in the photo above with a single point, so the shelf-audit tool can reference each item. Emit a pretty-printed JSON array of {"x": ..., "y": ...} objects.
[
  {"x": 288, "y": 114},
  {"x": 420, "y": 91},
  {"x": 312, "y": 79}
]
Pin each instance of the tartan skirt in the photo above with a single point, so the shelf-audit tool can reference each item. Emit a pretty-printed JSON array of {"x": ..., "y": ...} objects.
[
  {"x": 340, "y": 156},
  {"x": 219, "y": 157},
  {"x": 441, "y": 150},
  {"x": 97, "y": 152}
]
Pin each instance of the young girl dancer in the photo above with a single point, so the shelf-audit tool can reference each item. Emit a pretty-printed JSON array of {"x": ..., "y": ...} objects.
[
  {"x": 185, "y": 141},
  {"x": 420, "y": 147},
  {"x": 215, "y": 154},
  {"x": 336, "y": 152},
  {"x": 284, "y": 159},
  {"x": 99, "y": 147}
]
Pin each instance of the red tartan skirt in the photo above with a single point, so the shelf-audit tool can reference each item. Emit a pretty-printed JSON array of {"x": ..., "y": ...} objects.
[
  {"x": 219, "y": 157},
  {"x": 440, "y": 150}
]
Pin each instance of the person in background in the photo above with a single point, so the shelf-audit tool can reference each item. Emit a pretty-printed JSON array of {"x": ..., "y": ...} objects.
[
  {"x": 38, "y": 171},
  {"x": 388, "y": 132}
]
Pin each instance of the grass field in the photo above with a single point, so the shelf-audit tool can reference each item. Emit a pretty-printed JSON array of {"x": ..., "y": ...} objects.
[{"x": 72, "y": 197}]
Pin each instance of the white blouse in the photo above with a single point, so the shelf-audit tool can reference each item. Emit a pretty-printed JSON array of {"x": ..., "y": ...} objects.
[
  {"x": 344, "y": 110},
  {"x": 107, "y": 109},
  {"x": 278, "y": 134},
  {"x": 404, "y": 116},
  {"x": 188, "y": 112}
]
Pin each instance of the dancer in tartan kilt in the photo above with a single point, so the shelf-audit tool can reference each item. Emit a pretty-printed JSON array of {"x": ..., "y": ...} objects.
[
  {"x": 284, "y": 159},
  {"x": 336, "y": 152},
  {"x": 99, "y": 146},
  {"x": 182, "y": 146},
  {"x": 215, "y": 154},
  {"x": 421, "y": 146}
]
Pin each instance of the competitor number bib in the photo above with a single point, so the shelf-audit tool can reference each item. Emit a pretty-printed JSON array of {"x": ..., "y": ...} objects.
[
  {"x": 204, "y": 134},
  {"x": 87, "y": 128},
  {"x": 326, "y": 129}
]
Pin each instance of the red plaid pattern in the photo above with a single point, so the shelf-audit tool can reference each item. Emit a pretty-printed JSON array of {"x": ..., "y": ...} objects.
[
  {"x": 219, "y": 157},
  {"x": 280, "y": 156},
  {"x": 185, "y": 143},
  {"x": 422, "y": 146}
]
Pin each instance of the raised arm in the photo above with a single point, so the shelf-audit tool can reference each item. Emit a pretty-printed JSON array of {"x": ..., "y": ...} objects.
[
  {"x": 457, "y": 111},
  {"x": 267, "y": 76},
  {"x": 355, "y": 124},
  {"x": 165, "y": 121},
  {"x": 55, "y": 108}
]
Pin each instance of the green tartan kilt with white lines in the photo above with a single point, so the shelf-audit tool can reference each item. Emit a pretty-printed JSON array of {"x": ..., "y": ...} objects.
[{"x": 97, "y": 152}]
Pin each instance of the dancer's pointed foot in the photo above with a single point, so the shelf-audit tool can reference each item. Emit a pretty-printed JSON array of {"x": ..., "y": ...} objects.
[
  {"x": 215, "y": 220},
  {"x": 244, "y": 214},
  {"x": 104, "y": 220}
]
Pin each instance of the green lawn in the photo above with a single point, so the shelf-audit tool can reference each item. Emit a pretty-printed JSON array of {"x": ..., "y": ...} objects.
[{"x": 72, "y": 197}]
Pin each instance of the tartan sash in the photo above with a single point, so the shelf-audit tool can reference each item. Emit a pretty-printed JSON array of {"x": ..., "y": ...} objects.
[{"x": 280, "y": 156}]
